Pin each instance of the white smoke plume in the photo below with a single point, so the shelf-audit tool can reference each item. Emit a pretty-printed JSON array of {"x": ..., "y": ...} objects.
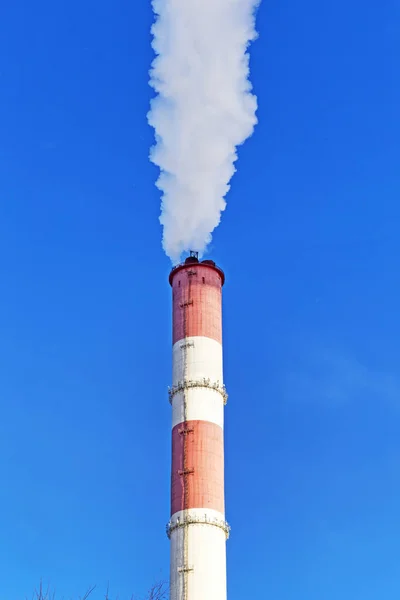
[{"x": 203, "y": 110}]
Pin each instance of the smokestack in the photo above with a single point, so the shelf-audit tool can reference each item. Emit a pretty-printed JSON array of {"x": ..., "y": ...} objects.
[{"x": 197, "y": 528}]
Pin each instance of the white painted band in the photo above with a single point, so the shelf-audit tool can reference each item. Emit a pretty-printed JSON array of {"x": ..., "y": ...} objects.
[
  {"x": 197, "y": 358},
  {"x": 201, "y": 405},
  {"x": 198, "y": 561}
]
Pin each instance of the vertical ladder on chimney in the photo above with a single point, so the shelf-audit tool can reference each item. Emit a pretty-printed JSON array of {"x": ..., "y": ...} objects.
[{"x": 187, "y": 470}]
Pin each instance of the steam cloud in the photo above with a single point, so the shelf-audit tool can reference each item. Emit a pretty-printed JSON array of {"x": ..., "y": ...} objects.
[{"x": 203, "y": 110}]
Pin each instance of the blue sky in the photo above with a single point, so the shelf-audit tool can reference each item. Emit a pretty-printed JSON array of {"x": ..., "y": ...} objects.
[{"x": 310, "y": 246}]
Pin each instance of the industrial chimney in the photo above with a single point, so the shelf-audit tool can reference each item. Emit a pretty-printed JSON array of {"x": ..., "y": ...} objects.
[{"x": 197, "y": 528}]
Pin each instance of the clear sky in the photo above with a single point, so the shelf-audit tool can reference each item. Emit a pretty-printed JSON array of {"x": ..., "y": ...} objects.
[{"x": 310, "y": 246}]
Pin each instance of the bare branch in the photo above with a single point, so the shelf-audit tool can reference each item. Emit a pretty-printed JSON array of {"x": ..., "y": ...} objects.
[
  {"x": 40, "y": 594},
  {"x": 89, "y": 591},
  {"x": 107, "y": 596},
  {"x": 158, "y": 591}
]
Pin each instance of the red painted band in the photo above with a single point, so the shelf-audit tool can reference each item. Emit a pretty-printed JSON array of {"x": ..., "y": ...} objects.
[
  {"x": 197, "y": 478},
  {"x": 197, "y": 303}
]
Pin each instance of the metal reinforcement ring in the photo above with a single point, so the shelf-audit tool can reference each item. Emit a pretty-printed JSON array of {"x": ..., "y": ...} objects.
[
  {"x": 197, "y": 520},
  {"x": 200, "y": 383}
]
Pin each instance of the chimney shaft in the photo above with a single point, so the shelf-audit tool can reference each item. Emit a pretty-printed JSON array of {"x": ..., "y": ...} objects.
[{"x": 197, "y": 528}]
